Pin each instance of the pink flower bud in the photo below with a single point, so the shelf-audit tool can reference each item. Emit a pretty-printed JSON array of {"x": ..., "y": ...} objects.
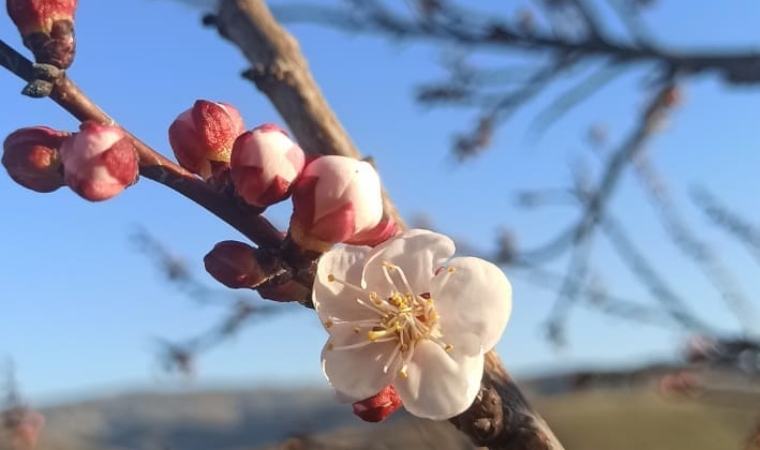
[
  {"x": 47, "y": 28},
  {"x": 264, "y": 163},
  {"x": 338, "y": 199},
  {"x": 31, "y": 157},
  {"x": 99, "y": 162},
  {"x": 378, "y": 407},
  {"x": 234, "y": 264},
  {"x": 204, "y": 134}
]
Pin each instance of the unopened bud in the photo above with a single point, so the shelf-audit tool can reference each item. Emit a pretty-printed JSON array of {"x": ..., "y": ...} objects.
[
  {"x": 204, "y": 135},
  {"x": 47, "y": 28},
  {"x": 264, "y": 163},
  {"x": 235, "y": 265},
  {"x": 338, "y": 199},
  {"x": 99, "y": 161},
  {"x": 32, "y": 159},
  {"x": 378, "y": 407}
]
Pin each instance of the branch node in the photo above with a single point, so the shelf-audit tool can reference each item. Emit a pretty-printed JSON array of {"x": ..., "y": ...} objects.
[
  {"x": 210, "y": 21},
  {"x": 43, "y": 80},
  {"x": 38, "y": 89},
  {"x": 46, "y": 72},
  {"x": 484, "y": 421}
]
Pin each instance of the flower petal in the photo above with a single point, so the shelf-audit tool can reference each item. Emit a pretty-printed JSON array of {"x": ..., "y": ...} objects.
[
  {"x": 475, "y": 297},
  {"x": 418, "y": 252},
  {"x": 333, "y": 300},
  {"x": 442, "y": 384},
  {"x": 356, "y": 374}
]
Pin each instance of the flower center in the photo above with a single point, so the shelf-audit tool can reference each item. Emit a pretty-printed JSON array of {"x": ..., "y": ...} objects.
[{"x": 404, "y": 317}]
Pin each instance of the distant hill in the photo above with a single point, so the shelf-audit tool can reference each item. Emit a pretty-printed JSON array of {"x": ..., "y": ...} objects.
[{"x": 302, "y": 419}]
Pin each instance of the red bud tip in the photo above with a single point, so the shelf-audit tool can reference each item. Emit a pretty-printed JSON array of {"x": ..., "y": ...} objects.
[
  {"x": 234, "y": 264},
  {"x": 32, "y": 159},
  {"x": 385, "y": 230},
  {"x": 47, "y": 28},
  {"x": 378, "y": 407},
  {"x": 205, "y": 133}
]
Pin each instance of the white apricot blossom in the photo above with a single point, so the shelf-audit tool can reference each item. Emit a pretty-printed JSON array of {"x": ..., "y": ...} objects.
[{"x": 406, "y": 314}]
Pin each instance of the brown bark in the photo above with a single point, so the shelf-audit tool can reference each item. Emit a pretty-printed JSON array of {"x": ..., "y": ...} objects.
[
  {"x": 280, "y": 71},
  {"x": 501, "y": 418}
]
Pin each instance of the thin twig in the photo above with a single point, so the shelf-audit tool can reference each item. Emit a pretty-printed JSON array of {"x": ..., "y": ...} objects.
[
  {"x": 737, "y": 226},
  {"x": 693, "y": 248},
  {"x": 152, "y": 164},
  {"x": 657, "y": 286}
]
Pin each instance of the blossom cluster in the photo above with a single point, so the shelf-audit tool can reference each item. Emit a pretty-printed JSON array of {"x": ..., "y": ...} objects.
[
  {"x": 335, "y": 198},
  {"x": 408, "y": 323}
]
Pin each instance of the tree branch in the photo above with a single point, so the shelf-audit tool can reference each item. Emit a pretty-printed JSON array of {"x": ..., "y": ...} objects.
[
  {"x": 694, "y": 248},
  {"x": 649, "y": 277},
  {"x": 280, "y": 71},
  {"x": 734, "y": 66},
  {"x": 739, "y": 227},
  {"x": 500, "y": 418},
  {"x": 152, "y": 164}
]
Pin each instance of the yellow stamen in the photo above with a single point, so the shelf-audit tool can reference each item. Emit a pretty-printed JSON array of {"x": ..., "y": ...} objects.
[
  {"x": 400, "y": 317},
  {"x": 375, "y": 335}
]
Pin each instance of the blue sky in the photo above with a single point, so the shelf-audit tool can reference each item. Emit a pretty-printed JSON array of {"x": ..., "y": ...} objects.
[{"x": 80, "y": 306}]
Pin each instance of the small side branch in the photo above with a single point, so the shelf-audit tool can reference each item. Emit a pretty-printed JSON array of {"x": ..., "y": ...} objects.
[{"x": 153, "y": 165}]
